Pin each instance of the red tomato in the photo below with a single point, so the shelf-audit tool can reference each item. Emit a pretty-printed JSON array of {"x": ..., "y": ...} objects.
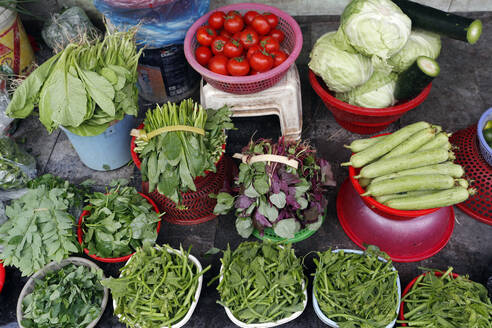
[
  {"x": 216, "y": 20},
  {"x": 272, "y": 19},
  {"x": 248, "y": 38},
  {"x": 233, "y": 48},
  {"x": 279, "y": 57},
  {"x": 218, "y": 64},
  {"x": 260, "y": 61},
  {"x": 205, "y": 35},
  {"x": 260, "y": 24},
  {"x": 238, "y": 66},
  {"x": 218, "y": 45},
  {"x": 203, "y": 55},
  {"x": 252, "y": 50},
  {"x": 237, "y": 36},
  {"x": 249, "y": 16},
  {"x": 278, "y": 35},
  {"x": 269, "y": 44},
  {"x": 233, "y": 24},
  {"x": 233, "y": 13},
  {"x": 225, "y": 34}
]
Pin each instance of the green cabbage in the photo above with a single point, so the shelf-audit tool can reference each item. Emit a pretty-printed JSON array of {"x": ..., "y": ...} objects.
[
  {"x": 338, "y": 64},
  {"x": 378, "y": 92},
  {"x": 420, "y": 43},
  {"x": 376, "y": 27}
]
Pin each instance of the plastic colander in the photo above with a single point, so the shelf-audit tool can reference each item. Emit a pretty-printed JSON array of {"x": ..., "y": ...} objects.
[
  {"x": 485, "y": 149},
  {"x": 112, "y": 259},
  {"x": 254, "y": 83},
  {"x": 363, "y": 120}
]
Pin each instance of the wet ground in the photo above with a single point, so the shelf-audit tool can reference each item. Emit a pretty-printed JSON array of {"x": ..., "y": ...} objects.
[{"x": 457, "y": 99}]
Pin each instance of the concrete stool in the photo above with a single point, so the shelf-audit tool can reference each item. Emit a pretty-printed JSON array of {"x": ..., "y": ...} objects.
[{"x": 283, "y": 100}]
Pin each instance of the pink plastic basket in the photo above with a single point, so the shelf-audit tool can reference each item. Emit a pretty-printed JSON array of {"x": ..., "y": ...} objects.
[{"x": 254, "y": 83}]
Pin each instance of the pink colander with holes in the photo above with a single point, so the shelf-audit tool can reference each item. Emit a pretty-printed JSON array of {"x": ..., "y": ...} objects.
[{"x": 292, "y": 44}]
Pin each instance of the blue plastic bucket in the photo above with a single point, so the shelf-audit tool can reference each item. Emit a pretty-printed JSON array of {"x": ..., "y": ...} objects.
[{"x": 107, "y": 151}]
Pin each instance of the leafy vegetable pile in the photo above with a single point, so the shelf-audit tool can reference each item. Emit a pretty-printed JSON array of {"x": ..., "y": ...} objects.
[
  {"x": 156, "y": 287},
  {"x": 83, "y": 88},
  {"x": 193, "y": 144},
  {"x": 39, "y": 230},
  {"x": 16, "y": 166},
  {"x": 68, "y": 297},
  {"x": 436, "y": 302},
  {"x": 261, "y": 282},
  {"x": 276, "y": 195},
  {"x": 356, "y": 290},
  {"x": 119, "y": 222}
]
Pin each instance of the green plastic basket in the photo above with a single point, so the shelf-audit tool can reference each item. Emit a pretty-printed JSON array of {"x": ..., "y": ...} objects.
[{"x": 269, "y": 234}]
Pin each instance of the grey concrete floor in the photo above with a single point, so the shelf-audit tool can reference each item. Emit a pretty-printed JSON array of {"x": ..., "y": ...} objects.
[{"x": 457, "y": 99}]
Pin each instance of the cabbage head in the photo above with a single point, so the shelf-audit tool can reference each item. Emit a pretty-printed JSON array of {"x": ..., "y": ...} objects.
[
  {"x": 376, "y": 27},
  {"x": 339, "y": 64},
  {"x": 378, "y": 92},
  {"x": 420, "y": 43}
]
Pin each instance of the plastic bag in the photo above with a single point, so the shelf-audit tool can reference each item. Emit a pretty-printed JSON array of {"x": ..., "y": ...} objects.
[
  {"x": 16, "y": 166},
  {"x": 71, "y": 25},
  {"x": 4, "y": 119},
  {"x": 165, "y": 23}
]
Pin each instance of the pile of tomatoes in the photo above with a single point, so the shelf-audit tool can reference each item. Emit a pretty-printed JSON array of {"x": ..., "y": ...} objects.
[{"x": 232, "y": 44}]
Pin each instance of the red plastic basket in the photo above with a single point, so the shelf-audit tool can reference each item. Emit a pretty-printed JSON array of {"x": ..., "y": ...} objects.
[
  {"x": 111, "y": 259},
  {"x": 363, "y": 120},
  {"x": 407, "y": 290},
  {"x": 2, "y": 276},
  {"x": 254, "y": 83}
]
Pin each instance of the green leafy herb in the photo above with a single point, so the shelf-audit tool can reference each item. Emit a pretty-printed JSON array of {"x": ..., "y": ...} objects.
[
  {"x": 261, "y": 282},
  {"x": 16, "y": 166},
  {"x": 68, "y": 297},
  {"x": 39, "y": 230},
  {"x": 156, "y": 287},
  {"x": 120, "y": 221}
]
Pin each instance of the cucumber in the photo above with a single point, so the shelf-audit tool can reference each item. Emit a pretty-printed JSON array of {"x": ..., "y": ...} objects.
[
  {"x": 411, "y": 82},
  {"x": 364, "y": 182},
  {"x": 442, "y": 198},
  {"x": 415, "y": 141},
  {"x": 385, "y": 198},
  {"x": 448, "y": 168},
  {"x": 361, "y": 144},
  {"x": 440, "y": 140},
  {"x": 441, "y": 22},
  {"x": 410, "y": 183},
  {"x": 379, "y": 149},
  {"x": 404, "y": 162},
  {"x": 462, "y": 183}
]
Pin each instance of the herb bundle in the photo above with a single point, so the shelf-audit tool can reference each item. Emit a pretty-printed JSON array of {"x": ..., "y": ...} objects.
[
  {"x": 180, "y": 143},
  {"x": 356, "y": 290},
  {"x": 39, "y": 230},
  {"x": 120, "y": 221},
  {"x": 68, "y": 297},
  {"x": 276, "y": 195},
  {"x": 156, "y": 287},
  {"x": 83, "y": 88},
  {"x": 261, "y": 282},
  {"x": 16, "y": 166}
]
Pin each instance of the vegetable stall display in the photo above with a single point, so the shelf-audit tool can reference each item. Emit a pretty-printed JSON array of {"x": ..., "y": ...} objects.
[
  {"x": 410, "y": 169},
  {"x": 280, "y": 187}
]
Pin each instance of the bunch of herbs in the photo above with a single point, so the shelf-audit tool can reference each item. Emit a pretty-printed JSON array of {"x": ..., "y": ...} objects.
[
  {"x": 275, "y": 195},
  {"x": 68, "y": 297},
  {"x": 17, "y": 167}
]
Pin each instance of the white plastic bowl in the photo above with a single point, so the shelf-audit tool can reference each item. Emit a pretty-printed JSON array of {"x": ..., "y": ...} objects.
[
  {"x": 332, "y": 323},
  {"x": 188, "y": 315},
  {"x": 29, "y": 286}
]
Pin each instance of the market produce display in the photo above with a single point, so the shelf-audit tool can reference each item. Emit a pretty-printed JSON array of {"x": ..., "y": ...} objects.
[
  {"x": 262, "y": 283},
  {"x": 410, "y": 169},
  {"x": 118, "y": 223},
  {"x": 179, "y": 143},
  {"x": 156, "y": 288},
  {"x": 17, "y": 167},
  {"x": 238, "y": 45},
  {"x": 280, "y": 187},
  {"x": 443, "y": 299},
  {"x": 83, "y": 88},
  {"x": 357, "y": 289},
  {"x": 39, "y": 230},
  {"x": 68, "y": 297}
]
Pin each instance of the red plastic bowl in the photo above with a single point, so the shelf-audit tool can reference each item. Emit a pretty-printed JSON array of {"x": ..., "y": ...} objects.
[
  {"x": 363, "y": 120},
  {"x": 2, "y": 276},
  {"x": 379, "y": 208},
  {"x": 253, "y": 83},
  {"x": 409, "y": 287},
  {"x": 111, "y": 259}
]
